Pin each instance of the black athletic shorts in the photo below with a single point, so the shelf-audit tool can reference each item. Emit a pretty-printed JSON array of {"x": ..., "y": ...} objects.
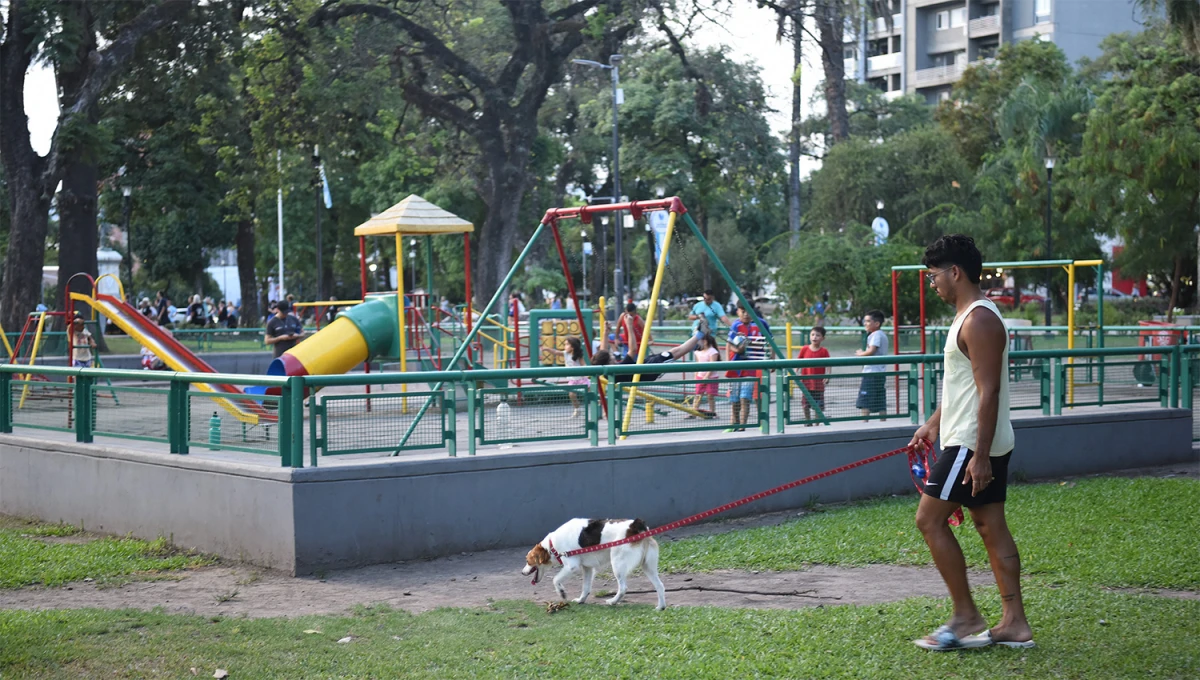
[
  {"x": 660, "y": 358},
  {"x": 945, "y": 479}
]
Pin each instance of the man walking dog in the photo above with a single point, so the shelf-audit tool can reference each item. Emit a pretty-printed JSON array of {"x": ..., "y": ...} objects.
[{"x": 977, "y": 442}]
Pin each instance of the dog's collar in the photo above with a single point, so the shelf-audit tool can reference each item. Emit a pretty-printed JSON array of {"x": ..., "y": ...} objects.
[{"x": 554, "y": 552}]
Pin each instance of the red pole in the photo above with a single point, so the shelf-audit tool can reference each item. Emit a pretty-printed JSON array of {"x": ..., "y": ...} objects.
[
  {"x": 895, "y": 332},
  {"x": 516, "y": 322},
  {"x": 895, "y": 311},
  {"x": 467, "y": 269},
  {"x": 562, "y": 257},
  {"x": 587, "y": 343},
  {"x": 362, "y": 264}
]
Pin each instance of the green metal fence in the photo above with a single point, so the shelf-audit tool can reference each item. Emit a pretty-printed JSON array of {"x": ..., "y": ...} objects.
[
  {"x": 372, "y": 423},
  {"x": 174, "y": 411}
]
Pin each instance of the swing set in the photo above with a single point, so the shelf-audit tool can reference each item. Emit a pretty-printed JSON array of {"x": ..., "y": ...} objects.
[{"x": 585, "y": 214}]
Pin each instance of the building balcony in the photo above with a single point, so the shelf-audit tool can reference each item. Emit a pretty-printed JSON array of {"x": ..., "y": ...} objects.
[
  {"x": 983, "y": 26},
  {"x": 878, "y": 25},
  {"x": 883, "y": 62},
  {"x": 894, "y": 94},
  {"x": 938, "y": 75}
]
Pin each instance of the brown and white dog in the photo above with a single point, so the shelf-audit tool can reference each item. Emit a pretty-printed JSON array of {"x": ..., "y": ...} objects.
[{"x": 583, "y": 533}]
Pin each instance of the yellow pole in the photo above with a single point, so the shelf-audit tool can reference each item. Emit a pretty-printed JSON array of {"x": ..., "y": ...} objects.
[
  {"x": 7, "y": 346},
  {"x": 650, "y": 310},
  {"x": 788, "y": 327},
  {"x": 400, "y": 314},
  {"x": 790, "y": 346},
  {"x": 1071, "y": 331},
  {"x": 37, "y": 341}
]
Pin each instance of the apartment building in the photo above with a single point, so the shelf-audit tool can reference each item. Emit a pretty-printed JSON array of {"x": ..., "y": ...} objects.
[{"x": 925, "y": 45}]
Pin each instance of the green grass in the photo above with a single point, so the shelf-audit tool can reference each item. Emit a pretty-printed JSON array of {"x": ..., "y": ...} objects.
[
  {"x": 1082, "y": 633},
  {"x": 1105, "y": 531},
  {"x": 27, "y": 558},
  {"x": 1076, "y": 538}
]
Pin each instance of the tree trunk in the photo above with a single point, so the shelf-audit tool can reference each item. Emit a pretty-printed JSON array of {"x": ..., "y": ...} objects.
[
  {"x": 794, "y": 141},
  {"x": 244, "y": 241},
  {"x": 22, "y": 289},
  {"x": 498, "y": 236},
  {"x": 831, "y": 26},
  {"x": 78, "y": 236},
  {"x": 1176, "y": 275},
  {"x": 77, "y": 229}
]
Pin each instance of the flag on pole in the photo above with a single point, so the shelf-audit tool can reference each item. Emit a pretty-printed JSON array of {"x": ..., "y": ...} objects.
[
  {"x": 325, "y": 188},
  {"x": 658, "y": 225}
]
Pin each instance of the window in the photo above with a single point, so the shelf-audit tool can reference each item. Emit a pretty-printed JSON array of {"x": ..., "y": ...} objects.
[
  {"x": 895, "y": 84},
  {"x": 1041, "y": 11},
  {"x": 944, "y": 96},
  {"x": 989, "y": 10},
  {"x": 849, "y": 53},
  {"x": 895, "y": 43},
  {"x": 958, "y": 17},
  {"x": 943, "y": 21}
]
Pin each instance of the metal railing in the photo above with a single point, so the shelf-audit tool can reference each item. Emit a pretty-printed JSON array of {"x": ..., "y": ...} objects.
[
  {"x": 182, "y": 412},
  {"x": 983, "y": 25},
  {"x": 937, "y": 74}
]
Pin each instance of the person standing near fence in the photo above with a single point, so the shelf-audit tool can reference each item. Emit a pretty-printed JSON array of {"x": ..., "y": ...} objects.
[
  {"x": 977, "y": 442},
  {"x": 872, "y": 393},
  {"x": 82, "y": 344},
  {"x": 284, "y": 331},
  {"x": 815, "y": 386}
]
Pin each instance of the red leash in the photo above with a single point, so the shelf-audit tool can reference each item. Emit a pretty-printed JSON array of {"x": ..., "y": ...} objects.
[{"x": 922, "y": 455}]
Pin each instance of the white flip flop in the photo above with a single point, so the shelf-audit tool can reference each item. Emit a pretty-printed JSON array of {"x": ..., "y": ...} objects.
[
  {"x": 984, "y": 639},
  {"x": 944, "y": 640}
]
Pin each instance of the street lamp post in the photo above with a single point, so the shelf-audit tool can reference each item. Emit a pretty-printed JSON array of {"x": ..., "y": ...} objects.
[
  {"x": 127, "y": 192},
  {"x": 614, "y": 73},
  {"x": 1049, "y": 246},
  {"x": 412, "y": 267},
  {"x": 316, "y": 163}
]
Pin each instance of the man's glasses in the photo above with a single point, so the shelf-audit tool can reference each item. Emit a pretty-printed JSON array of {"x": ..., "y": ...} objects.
[{"x": 933, "y": 275}]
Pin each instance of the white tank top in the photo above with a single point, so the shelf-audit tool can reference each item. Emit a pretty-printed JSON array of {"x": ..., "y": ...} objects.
[{"x": 960, "y": 398}]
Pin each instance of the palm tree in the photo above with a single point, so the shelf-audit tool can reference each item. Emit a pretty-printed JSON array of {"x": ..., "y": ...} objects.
[
  {"x": 1183, "y": 16},
  {"x": 1044, "y": 116}
]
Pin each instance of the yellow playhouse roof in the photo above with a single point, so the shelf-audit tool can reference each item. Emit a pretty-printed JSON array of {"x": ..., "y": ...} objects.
[{"x": 413, "y": 215}]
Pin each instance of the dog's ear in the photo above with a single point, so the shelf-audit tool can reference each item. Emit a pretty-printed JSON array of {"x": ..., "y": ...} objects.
[{"x": 537, "y": 556}]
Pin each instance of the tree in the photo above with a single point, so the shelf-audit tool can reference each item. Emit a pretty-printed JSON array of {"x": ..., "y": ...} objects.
[
  {"x": 917, "y": 174},
  {"x": 852, "y": 270},
  {"x": 1183, "y": 16},
  {"x": 970, "y": 115},
  {"x": 493, "y": 99},
  {"x": 32, "y": 178},
  {"x": 704, "y": 138},
  {"x": 1142, "y": 155},
  {"x": 872, "y": 116}
]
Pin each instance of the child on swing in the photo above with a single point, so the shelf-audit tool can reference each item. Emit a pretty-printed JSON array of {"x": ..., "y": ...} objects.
[{"x": 573, "y": 358}]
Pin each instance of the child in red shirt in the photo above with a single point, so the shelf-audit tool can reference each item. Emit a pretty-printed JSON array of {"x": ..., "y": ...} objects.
[{"x": 816, "y": 388}]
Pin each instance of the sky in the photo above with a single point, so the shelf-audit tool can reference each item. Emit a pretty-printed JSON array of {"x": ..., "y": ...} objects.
[{"x": 749, "y": 34}]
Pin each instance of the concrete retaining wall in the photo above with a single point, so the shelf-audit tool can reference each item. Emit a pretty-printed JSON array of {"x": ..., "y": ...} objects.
[
  {"x": 303, "y": 520},
  {"x": 243, "y": 363}
]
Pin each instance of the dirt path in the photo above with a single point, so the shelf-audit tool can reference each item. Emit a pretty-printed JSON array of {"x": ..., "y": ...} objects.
[{"x": 472, "y": 579}]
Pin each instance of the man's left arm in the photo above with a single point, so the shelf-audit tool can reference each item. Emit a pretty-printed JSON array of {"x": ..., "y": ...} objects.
[{"x": 983, "y": 338}]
